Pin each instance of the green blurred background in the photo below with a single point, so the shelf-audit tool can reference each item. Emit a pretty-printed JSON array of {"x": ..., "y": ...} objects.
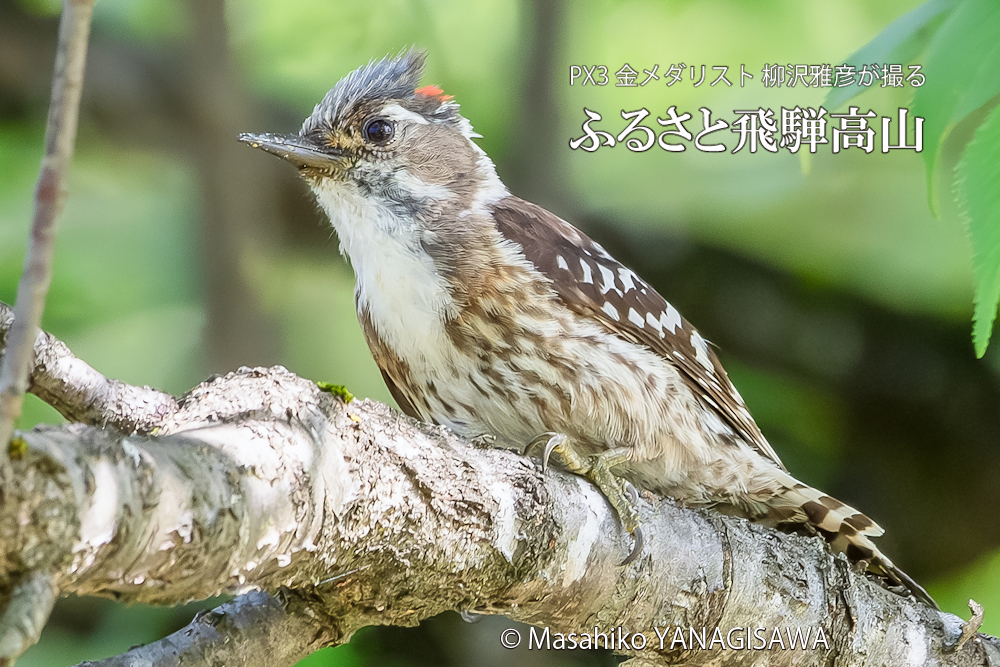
[{"x": 840, "y": 305}]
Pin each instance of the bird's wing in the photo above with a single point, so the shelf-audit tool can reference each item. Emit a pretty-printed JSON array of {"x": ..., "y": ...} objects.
[{"x": 594, "y": 284}]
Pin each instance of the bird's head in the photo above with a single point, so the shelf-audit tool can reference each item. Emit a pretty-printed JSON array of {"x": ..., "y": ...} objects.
[{"x": 379, "y": 136}]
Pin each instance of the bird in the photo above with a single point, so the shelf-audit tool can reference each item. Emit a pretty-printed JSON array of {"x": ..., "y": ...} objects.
[{"x": 494, "y": 317}]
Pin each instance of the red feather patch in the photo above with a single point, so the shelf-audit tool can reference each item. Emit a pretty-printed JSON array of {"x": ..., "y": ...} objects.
[{"x": 433, "y": 91}]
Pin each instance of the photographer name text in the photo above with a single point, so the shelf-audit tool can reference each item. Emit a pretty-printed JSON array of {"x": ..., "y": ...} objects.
[{"x": 674, "y": 638}]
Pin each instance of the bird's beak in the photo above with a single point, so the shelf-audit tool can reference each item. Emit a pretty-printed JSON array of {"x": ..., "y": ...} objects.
[{"x": 295, "y": 149}]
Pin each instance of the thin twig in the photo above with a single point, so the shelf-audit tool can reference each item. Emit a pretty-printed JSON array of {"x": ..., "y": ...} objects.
[
  {"x": 28, "y": 609},
  {"x": 60, "y": 136}
]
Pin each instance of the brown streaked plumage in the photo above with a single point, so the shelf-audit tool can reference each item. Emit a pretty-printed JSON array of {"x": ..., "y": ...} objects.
[
  {"x": 394, "y": 370},
  {"x": 493, "y": 316},
  {"x": 545, "y": 238}
]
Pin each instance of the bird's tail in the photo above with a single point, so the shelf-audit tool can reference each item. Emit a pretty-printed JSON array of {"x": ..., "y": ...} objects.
[{"x": 845, "y": 528}]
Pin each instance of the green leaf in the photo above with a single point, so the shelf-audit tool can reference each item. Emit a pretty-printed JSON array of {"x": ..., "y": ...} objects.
[
  {"x": 901, "y": 42},
  {"x": 977, "y": 182},
  {"x": 963, "y": 74}
]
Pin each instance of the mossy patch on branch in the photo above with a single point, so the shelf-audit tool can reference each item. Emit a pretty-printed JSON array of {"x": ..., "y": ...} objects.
[
  {"x": 338, "y": 390},
  {"x": 17, "y": 448}
]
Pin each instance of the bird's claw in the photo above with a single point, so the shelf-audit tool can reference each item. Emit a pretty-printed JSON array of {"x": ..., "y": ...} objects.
[
  {"x": 632, "y": 492},
  {"x": 637, "y": 540},
  {"x": 557, "y": 440},
  {"x": 553, "y": 442},
  {"x": 536, "y": 441},
  {"x": 637, "y": 544}
]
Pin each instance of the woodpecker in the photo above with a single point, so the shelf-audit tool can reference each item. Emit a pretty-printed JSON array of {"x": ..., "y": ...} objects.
[{"x": 492, "y": 316}]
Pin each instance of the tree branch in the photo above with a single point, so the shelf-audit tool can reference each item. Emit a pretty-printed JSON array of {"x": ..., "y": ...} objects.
[
  {"x": 81, "y": 394},
  {"x": 254, "y": 630},
  {"x": 259, "y": 479},
  {"x": 26, "y": 614}
]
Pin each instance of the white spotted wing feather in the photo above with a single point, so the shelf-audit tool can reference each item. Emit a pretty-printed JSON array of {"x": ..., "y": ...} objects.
[{"x": 594, "y": 284}]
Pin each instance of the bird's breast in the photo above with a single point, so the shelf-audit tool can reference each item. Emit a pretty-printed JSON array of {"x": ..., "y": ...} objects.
[{"x": 398, "y": 285}]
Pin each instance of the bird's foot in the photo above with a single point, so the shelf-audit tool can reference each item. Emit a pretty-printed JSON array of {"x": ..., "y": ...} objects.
[
  {"x": 620, "y": 493},
  {"x": 599, "y": 469}
]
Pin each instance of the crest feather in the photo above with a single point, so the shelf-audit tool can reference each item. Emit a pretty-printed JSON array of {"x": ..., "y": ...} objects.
[{"x": 389, "y": 78}]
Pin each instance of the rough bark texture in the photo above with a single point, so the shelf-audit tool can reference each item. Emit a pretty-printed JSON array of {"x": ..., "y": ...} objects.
[{"x": 259, "y": 479}]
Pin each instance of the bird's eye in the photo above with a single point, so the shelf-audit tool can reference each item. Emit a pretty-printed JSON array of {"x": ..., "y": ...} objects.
[{"x": 379, "y": 131}]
